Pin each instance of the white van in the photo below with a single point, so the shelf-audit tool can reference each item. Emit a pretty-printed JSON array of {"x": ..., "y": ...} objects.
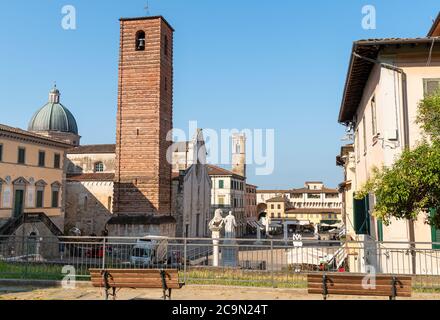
[{"x": 149, "y": 251}]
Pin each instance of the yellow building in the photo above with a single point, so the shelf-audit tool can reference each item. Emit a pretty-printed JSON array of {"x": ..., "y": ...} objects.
[
  {"x": 315, "y": 216},
  {"x": 32, "y": 180},
  {"x": 279, "y": 208},
  {"x": 276, "y": 207}
]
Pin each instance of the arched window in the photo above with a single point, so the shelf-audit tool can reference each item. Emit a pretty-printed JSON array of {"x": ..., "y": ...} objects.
[
  {"x": 99, "y": 167},
  {"x": 140, "y": 41}
]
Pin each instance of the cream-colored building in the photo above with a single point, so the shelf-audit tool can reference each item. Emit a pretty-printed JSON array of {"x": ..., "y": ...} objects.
[
  {"x": 314, "y": 202},
  {"x": 32, "y": 183},
  {"x": 90, "y": 176},
  {"x": 387, "y": 79},
  {"x": 228, "y": 193}
]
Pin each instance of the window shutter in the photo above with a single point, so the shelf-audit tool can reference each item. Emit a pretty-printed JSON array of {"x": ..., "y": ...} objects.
[
  {"x": 435, "y": 233},
  {"x": 361, "y": 216},
  {"x": 379, "y": 230}
]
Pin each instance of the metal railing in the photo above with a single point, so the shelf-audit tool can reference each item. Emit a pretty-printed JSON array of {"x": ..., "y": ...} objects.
[{"x": 267, "y": 262}]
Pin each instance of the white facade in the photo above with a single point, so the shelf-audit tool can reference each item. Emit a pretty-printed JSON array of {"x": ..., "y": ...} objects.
[{"x": 228, "y": 192}]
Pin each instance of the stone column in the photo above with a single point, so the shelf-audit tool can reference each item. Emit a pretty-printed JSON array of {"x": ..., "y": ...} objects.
[{"x": 215, "y": 242}]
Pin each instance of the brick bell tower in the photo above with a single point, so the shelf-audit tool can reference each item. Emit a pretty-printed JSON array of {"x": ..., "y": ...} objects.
[{"x": 142, "y": 188}]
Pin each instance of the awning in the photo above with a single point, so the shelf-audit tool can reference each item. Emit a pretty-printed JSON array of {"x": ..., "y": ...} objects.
[{"x": 255, "y": 224}]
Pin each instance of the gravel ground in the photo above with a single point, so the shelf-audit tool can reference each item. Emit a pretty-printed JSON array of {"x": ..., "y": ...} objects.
[{"x": 192, "y": 292}]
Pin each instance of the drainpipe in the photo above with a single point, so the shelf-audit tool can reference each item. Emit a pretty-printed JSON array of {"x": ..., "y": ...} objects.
[{"x": 406, "y": 139}]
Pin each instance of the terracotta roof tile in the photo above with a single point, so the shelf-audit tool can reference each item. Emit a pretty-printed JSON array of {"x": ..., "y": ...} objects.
[
  {"x": 91, "y": 177},
  {"x": 94, "y": 148}
]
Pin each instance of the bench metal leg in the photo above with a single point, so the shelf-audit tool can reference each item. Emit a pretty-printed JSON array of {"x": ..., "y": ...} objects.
[
  {"x": 324, "y": 287},
  {"x": 167, "y": 294}
]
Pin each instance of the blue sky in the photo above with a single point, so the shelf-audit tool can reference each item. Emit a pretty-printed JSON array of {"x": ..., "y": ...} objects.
[{"x": 238, "y": 64}]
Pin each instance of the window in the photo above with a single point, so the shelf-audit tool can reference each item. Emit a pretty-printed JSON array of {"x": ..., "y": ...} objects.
[
  {"x": 40, "y": 195},
  {"x": 41, "y": 159},
  {"x": 431, "y": 86},
  {"x": 364, "y": 133},
  {"x": 40, "y": 185},
  {"x": 1, "y": 152},
  {"x": 279, "y": 207},
  {"x": 57, "y": 161},
  {"x": 55, "y": 196},
  {"x": 99, "y": 167},
  {"x": 221, "y": 184},
  {"x": 373, "y": 116},
  {"x": 21, "y": 155},
  {"x": 140, "y": 41}
]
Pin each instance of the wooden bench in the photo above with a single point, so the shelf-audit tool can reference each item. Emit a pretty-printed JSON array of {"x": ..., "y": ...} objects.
[
  {"x": 353, "y": 285},
  {"x": 135, "y": 279}
]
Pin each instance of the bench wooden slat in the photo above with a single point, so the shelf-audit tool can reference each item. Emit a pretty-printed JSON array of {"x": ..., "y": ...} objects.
[
  {"x": 352, "y": 284},
  {"x": 132, "y": 271},
  {"x": 359, "y": 287},
  {"x": 134, "y": 285},
  {"x": 359, "y": 293},
  {"x": 333, "y": 281},
  {"x": 136, "y": 275},
  {"x": 356, "y": 276}
]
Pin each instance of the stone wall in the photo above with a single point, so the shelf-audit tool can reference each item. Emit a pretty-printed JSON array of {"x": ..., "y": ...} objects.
[{"x": 88, "y": 206}]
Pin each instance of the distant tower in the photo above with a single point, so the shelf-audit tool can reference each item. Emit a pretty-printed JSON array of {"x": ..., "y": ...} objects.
[
  {"x": 142, "y": 190},
  {"x": 239, "y": 154}
]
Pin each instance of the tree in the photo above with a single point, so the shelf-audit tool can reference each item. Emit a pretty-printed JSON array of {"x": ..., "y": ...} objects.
[{"x": 411, "y": 186}]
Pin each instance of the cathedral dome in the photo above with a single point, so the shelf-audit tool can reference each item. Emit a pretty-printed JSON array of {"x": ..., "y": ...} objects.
[{"x": 53, "y": 117}]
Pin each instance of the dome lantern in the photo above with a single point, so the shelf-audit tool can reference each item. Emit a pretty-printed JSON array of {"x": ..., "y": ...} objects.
[{"x": 54, "y": 95}]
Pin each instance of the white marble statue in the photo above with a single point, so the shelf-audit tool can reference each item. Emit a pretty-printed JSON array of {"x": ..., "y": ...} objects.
[
  {"x": 230, "y": 225},
  {"x": 216, "y": 223}
]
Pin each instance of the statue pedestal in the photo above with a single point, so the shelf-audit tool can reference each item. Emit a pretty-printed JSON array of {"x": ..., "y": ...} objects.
[
  {"x": 258, "y": 236},
  {"x": 230, "y": 253}
]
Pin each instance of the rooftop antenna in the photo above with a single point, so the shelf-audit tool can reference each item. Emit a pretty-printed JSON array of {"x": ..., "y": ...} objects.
[{"x": 147, "y": 8}]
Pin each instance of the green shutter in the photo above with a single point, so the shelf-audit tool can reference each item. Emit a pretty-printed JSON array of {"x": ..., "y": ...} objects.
[
  {"x": 379, "y": 230},
  {"x": 361, "y": 216},
  {"x": 435, "y": 233}
]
